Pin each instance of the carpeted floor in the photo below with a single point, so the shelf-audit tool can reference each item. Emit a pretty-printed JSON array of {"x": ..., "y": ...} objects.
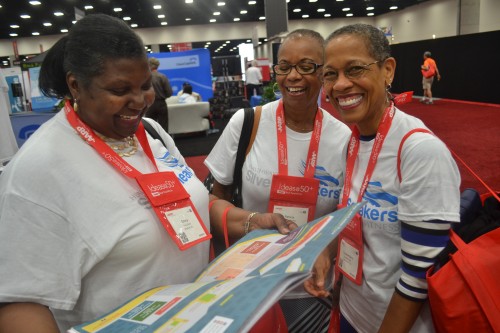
[{"x": 471, "y": 130}]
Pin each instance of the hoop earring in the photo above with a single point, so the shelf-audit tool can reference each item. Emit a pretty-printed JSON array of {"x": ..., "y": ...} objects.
[
  {"x": 388, "y": 96},
  {"x": 276, "y": 88}
]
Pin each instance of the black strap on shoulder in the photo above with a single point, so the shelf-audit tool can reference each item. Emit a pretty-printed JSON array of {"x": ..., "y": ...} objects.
[
  {"x": 246, "y": 132},
  {"x": 154, "y": 133}
]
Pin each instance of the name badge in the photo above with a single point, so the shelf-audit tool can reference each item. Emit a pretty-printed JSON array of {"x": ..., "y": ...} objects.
[
  {"x": 173, "y": 206},
  {"x": 350, "y": 251},
  {"x": 294, "y": 197}
]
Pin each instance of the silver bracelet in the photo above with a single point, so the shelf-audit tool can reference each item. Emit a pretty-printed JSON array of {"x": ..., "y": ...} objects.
[{"x": 247, "y": 222}]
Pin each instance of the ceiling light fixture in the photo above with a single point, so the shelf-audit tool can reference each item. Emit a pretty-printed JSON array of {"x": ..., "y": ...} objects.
[
  {"x": 157, "y": 7},
  {"x": 393, "y": 7},
  {"x": 58, "y": 14}
]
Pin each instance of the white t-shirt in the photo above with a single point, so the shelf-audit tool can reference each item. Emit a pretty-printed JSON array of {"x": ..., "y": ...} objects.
[
  {"x": 187, "y": 99},
  {"x": 428, "y": 191},
  {"x": 253, "y": 75},
  {"x": 80, "y": 237},
  {"x": 262, "y": 161}
]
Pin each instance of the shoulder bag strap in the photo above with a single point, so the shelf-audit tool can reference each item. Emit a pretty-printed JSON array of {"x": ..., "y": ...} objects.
[
  {"x": 151, "y": 131},
  {"x": 246, "y": 132}
]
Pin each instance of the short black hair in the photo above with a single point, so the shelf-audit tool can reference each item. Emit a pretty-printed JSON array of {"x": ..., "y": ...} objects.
[
  {"x": 92, "y": 41},
  {"x": 188, "y": 89}
]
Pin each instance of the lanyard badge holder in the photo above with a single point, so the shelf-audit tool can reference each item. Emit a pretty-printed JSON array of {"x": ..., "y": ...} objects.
[
  {"x": 350, "y": 245},
  {"x": 173, "y": 207},
  {"x": 294, "y": 197}
]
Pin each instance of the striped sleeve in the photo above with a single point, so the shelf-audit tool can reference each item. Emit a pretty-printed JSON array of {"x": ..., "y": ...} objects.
[{"x": 421, "y": 242}]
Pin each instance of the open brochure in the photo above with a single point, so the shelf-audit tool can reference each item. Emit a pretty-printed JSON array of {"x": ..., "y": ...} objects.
[{"x": 235, "y": 289}]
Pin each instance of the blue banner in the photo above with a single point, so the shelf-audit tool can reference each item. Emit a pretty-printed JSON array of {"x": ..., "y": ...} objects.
[
  {"x": 40, "y": 102},
  {"x": 191, "y": 66}
]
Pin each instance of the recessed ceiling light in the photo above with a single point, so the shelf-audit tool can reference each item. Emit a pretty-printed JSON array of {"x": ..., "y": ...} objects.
[
  {"x": 313, "y": 0},
  {"x": 64, "y": 30},
  {"x": 393, "y": 7},
  {"x": 346, "y": 9},
  {"x": 305, "y": 16},
  {"x": 370, "y": 8},
  {"x": 236, "y": 19},
  {"x": 262, "y": 18},
  {"x": 34, "y": 33},
  {"x": 252, "y": 2},
  {"x": 127, "y": 18},
  {"x": 134, "y": 25},
  {"x": 117, "y": 9},
  {"x": 243, "y": 11},
  {"x": 216, "y": 13},
  {"x": 349, "y": 14},
  {"x": 13, "y": 35},
  {"x": 189, "y": 1},
  {"x": 25, "y": 16},
  {"x": 213, "y": 20},
  {"x": 14, "y": 26},
  {"x": 321, "y": 10},
  {"x": 161, "y": 16},
  {"x": 328, "y": 15},
  {"x": 88, "y": 7},
  {"x": 163, "y": 23},
  {"x": 47, "y": 24},
  {"x": 157, "y": 7},
  {"x": 188, "y": 19},
  {"x": 221, "y": 3},
  {"x": 370, "y": 14},
  {"x": 297, "y": 10},
  {"x": 58, "y": 14},
  {"x": 35, "y": 3}
]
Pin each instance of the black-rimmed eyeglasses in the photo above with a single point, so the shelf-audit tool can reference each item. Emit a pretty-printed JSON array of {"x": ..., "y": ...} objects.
[
  {"x": 304, "y": 68},
  {"x": 351, "y": 73}
]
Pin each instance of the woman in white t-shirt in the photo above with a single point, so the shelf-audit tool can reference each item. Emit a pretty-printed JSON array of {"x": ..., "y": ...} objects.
[
  {"x": 313, "y": 142},
  {"x": 78, "y": 234},
  {"x": 406, "y": 176}
]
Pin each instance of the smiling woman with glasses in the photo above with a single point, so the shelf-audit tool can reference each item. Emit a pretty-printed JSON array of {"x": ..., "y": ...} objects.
[
  {"x": 296, "y": 127},
  {"x": 406, "y": 176}
]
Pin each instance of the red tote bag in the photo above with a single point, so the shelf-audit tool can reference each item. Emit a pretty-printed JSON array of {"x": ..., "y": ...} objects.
[{"x": 464, "y": 295}]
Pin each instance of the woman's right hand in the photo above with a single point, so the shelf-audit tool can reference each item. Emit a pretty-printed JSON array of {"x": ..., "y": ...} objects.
[{"x": 271, "y": 221}]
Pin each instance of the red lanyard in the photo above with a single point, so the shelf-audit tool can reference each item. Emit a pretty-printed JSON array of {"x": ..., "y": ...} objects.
[
  {"x": 88, "y": 135},
  {"x": 352, "y": 154},
  {"x": 312, "y": 154}
]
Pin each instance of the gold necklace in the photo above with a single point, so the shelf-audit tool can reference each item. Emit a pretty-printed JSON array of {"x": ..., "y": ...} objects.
[{"x": 124, "y": 148}]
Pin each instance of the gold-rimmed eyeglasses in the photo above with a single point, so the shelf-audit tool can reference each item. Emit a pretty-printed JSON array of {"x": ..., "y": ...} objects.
[
  {"x": 303, "y": 68},
  {"x": 351, "y": 73}
]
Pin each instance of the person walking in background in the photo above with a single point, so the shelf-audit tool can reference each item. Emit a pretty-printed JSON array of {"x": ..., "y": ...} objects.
[
  {"x": 429, "y": 70},
  {"x": 194, "y": 93},
  {"x": 253, "y": 80},
  {"x": 313, "y": 143},
  {"x": 159, "y": 110},
  {"x": 411, "y": 190}
]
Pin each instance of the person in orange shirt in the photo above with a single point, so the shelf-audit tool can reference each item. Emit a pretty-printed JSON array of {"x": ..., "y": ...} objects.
[{"x": 429, "y": 70}]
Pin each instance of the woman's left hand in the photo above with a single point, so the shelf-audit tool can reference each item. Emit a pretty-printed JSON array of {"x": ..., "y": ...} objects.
[{"x": 316, "y": 285}]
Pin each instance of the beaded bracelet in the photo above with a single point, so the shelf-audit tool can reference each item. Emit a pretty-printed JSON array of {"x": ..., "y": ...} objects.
[{"x": 247, "y": 222}]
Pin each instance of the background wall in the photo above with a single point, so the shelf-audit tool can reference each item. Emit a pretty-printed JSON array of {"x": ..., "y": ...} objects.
[{"x": 462, "y": 35}]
